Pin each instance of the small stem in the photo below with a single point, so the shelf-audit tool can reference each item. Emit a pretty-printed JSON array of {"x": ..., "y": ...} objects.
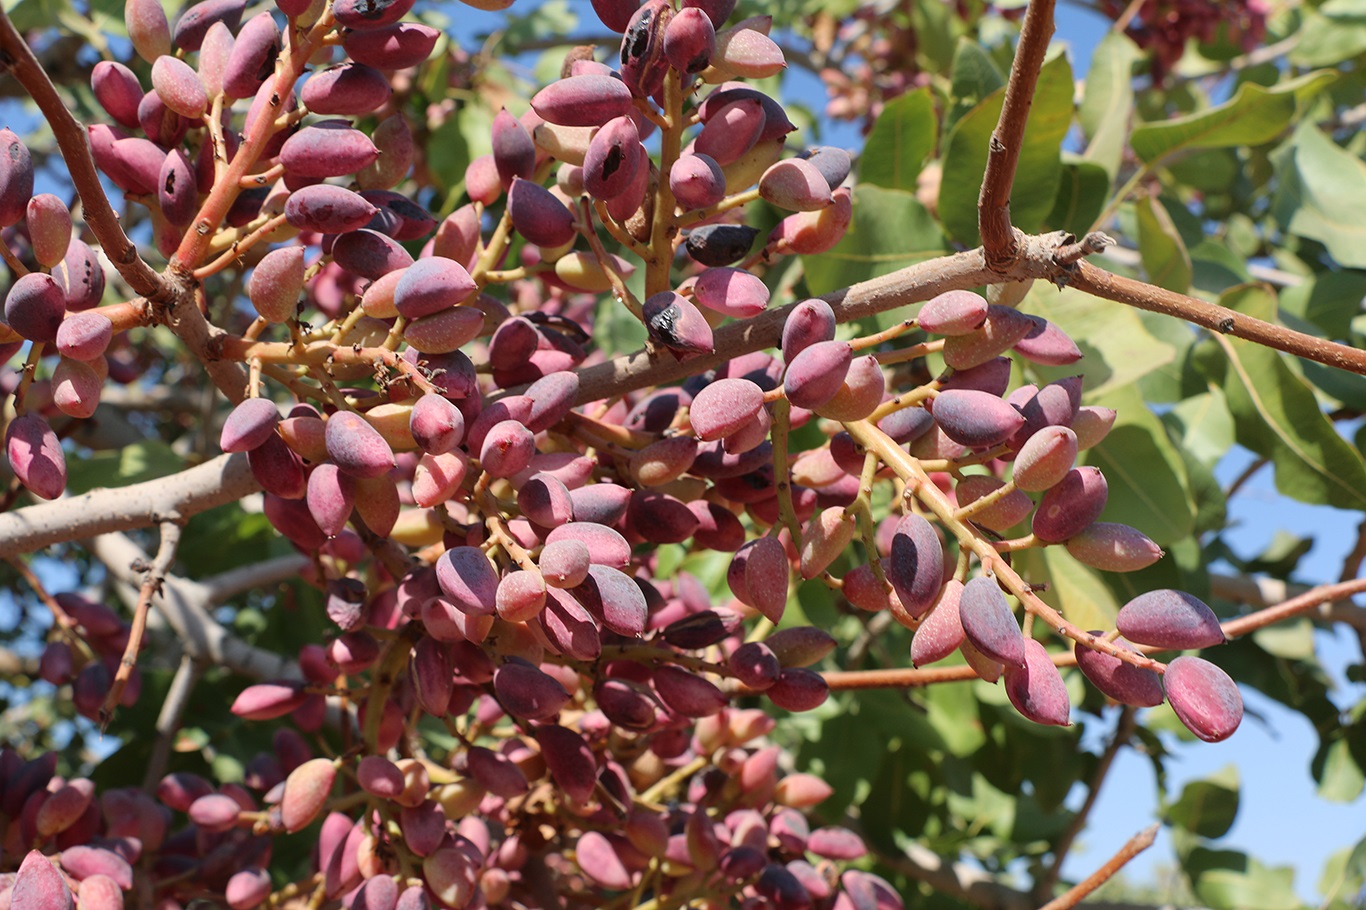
[
  {"x": 660, "y": 260},
  {"x": 781, "y": 410},
  {"x": 962, "y": 513},
  {"x": 607, "y": 264},
  {"x": 877, "y": 338},
  {"x": 153, "y": 577},
  {"x": 911, "y": 353},
  {"x": 234, "y": 253}
]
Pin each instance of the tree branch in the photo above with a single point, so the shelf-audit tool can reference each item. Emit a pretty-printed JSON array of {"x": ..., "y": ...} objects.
[
  {"x": 75, "y": 145},
  {"x": 1050, "y": 257},
  {"x": 1100, "y": 283},
  {"x": 222, "y": 480},
  {"x": 153, "y": 576},
  {"x": 185, "y": 605},
  {"x": 168, "y": 720},
  {"x": 227, "y": 585},
  {"x": 999, "y": 237}
]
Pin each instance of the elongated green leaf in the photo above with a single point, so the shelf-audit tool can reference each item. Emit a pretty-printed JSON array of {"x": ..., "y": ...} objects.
[
  {"x": 1036, "y": 177},
  {"x": 1165, "y": 258},
  {"x": 890, "y": 230},
  {"x": 1145, "y": 473},
  {"x": 1109, "y": 100},
  {"x": 1328, "y": 39},
  {"x": 974, "y": 77},
  {"x": 903, "y": 137},
  {"x": 1082, "y": 190},
  {"x": 1322, "y": 195},
  {"x": 1254, "y": 115},
  {"x": 1277, "y": 416}
]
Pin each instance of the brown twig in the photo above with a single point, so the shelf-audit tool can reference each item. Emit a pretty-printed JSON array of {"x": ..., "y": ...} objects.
[
  {"x": 75, "y": 145},
  {"x": 999, "y": 237},
  {"x": 1134, "y": 846},
  {"x": 1097, "y": 281},
  {"x": 153, "y": 577}
]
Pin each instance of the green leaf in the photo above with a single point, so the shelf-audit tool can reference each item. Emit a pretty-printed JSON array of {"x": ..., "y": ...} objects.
[
  {"x": 890, "y": 230},
  {"x": 1039, "y": 169},
  {"x": 1322, "y": 195},
  {"x": 1328, "y": 40},
  {"x": 1341, "y": 779},
  {"x": 1203, "y": 426},
  {"x": 1078, "y": 591},
  {"x": 1277, "y": 416},
  {"x": 1207, "y": 807},
  {"x": 1108, "y": 102},
  {"x": 35, "y": 14},
  {"x": 974, "y": 76},
  {"x": 1159, "y": 245},
  {"x": 1117, "y": 348},
  {"x": 1145, "y": 473},
  {"x": 1329, "y": 300},
  {"x": 447, "y": 154},
  {"x": 1292, "y": 640},
  {"x": 904, "y": 135},
  {"x": 1254, "y": 115},
  {"x": 1082, "y": 190}
]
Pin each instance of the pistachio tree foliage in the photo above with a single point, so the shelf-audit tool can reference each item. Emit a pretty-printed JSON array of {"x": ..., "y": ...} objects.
[{"x": 543, "y": 474}]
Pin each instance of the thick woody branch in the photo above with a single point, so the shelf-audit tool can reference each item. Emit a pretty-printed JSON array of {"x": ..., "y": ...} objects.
[
  {"x": 1097, "y": 281},
  {"x": 999, "y": 237},
  {"x": 1055, "y": 257},
  {"x": 227, "y": 585},
  {"x": 225, "y": 479},
  {"x": 75, "y": 145},
  {"x": 903, "y": 287}
]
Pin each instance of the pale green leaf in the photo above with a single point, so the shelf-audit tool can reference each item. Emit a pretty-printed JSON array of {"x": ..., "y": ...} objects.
[
  {"x": 1277, "y": 416},
  {"x": 1108, "y": 102},
  {"x": 1146, "y": 475},
  {"x": 1164, "y": 256},
  {"x": 1254, "y": 115},
  {"x": 1205, "y": 426},
  {"x": 904, "y": 135},
  {"x": 1078, "y": 591},
  {"x": 1118, "y": 349},
  {"x": 1082, "y": 190},
  {"x": 1322, "y": 195}
]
